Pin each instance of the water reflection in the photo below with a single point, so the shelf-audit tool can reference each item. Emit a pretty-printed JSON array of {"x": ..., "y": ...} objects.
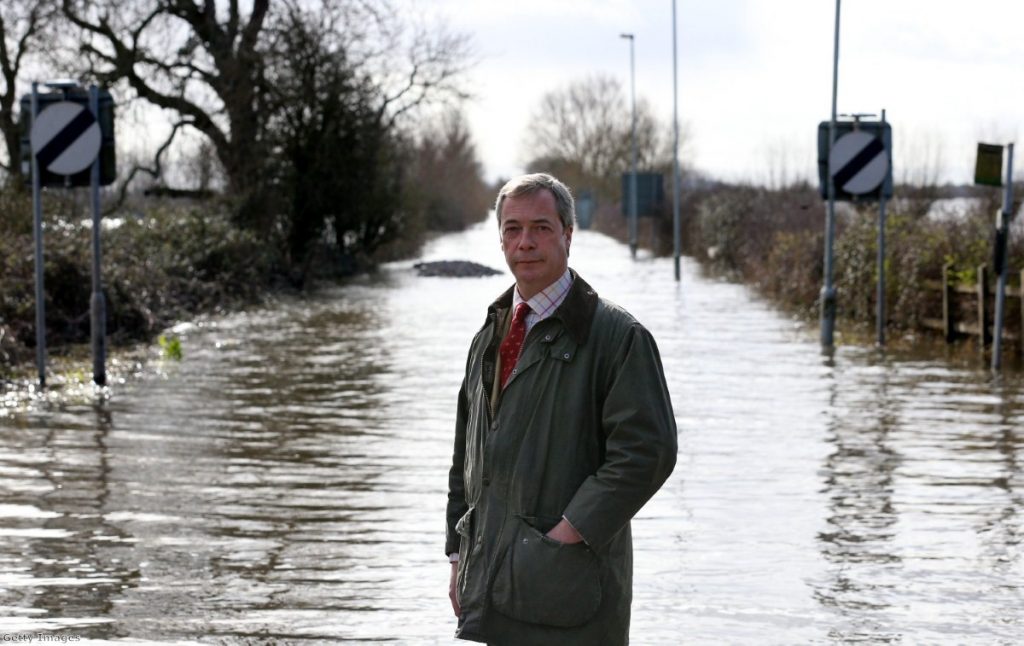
[
  {"x": 286, "y": 481},
  {"x": 920, "y": 481},
  {"x": 63, "y": 560},
  {"x": 861, "y": 524}
]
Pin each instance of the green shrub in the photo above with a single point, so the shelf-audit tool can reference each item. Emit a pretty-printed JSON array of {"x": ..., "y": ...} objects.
[
  {"x": 774, "y": 240},
  {"x": 167, "y": 264}
]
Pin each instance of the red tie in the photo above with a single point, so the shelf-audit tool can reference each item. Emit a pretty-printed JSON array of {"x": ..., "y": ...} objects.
[{"x": 512, "y": 345}]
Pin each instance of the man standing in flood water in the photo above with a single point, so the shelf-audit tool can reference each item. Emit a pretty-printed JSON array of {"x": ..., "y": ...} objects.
[{"x": 564, "y": 430}]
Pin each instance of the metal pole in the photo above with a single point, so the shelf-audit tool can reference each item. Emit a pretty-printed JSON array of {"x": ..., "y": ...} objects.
[
  {"x": 37, "y": 213},
  {"x": 632, "y": 178},
  {"x": 676, "y": 223},
  {"x": 828, "y": 292},
  {"x": 633, "y": 138},
  {"x": 97, "y": 304},
  {"x": 880, "y": 305},
  {"x": 1004, "y": 225}
]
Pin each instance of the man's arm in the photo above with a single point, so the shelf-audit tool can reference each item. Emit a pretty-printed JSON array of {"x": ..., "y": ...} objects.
[
  {"x": 453, "y": 592},
  {"x": 640, "y": 443},
  {"x": 457, "y": 505}
]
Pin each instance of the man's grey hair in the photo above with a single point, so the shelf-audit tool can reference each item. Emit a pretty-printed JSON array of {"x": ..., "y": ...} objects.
[{"x": 530, "y": 184}]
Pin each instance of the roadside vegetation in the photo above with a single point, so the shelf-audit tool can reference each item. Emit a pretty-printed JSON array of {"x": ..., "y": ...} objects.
[
  {"x": 774, "y": 241},
  {"x": 312, "y": 141}
]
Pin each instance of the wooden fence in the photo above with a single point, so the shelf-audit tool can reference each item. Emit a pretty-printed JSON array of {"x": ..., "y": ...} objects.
[{"x": 976, "y": 321}]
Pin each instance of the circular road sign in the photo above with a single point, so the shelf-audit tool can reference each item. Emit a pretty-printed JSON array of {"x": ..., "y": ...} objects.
[
  {"x": 859, "y": 162},
  {"x": 65, "y": 138}
]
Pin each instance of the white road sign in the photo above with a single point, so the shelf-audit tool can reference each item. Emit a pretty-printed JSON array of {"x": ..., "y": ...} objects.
[
  {"x": 859, "y": 162},
  {"x": 65, "y": 138}
]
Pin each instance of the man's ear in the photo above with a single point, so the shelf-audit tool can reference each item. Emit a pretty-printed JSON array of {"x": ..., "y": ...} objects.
[{"x": 568, "y": 239}]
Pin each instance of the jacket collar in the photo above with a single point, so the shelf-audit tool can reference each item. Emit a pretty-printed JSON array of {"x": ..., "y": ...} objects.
[{"x": 576, "y": 312}]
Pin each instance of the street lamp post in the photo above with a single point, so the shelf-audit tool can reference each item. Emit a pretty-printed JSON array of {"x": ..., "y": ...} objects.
[
  {"x": 632, "y": 178},
  {"x": 676, "y": 224},
  {"x": 828, "y": 291}
]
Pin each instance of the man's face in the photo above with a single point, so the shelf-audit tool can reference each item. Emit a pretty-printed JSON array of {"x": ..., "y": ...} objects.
[{"x": 535, "y": 243}]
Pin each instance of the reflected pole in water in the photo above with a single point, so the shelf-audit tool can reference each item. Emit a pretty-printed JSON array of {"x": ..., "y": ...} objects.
[
  {"x": 828, "y": 291},
  {"x": 1002, "y": 233},
  {"x": 676, "y": 224},
  {"x": 632, "y": 177}
]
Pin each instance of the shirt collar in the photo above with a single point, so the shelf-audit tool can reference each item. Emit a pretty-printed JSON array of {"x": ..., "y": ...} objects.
[
  {"x": 577, "y": 311},
  {"x": 546, "y": 301}
]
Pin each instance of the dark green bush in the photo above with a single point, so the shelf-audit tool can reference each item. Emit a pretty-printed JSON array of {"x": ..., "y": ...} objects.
[{"x": 169, "y": 264}]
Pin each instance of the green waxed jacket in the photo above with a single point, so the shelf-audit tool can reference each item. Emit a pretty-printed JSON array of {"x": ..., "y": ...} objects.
[{"x": 584, "y": 429}]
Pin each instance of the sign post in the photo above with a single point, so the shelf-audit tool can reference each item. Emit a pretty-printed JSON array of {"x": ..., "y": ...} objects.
[
  {"x": 37, "y": 231},
  {"x": 97, "y": 304},
  {"x": 856, "y": 166},
  {"x": 880, "y": 298},
  {"x": 828, "y": 291},
  {"x": 65, "y": 139},
  {"x": 1002, "y": 233}
]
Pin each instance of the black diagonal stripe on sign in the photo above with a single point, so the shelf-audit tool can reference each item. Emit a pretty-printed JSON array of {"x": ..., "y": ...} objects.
[
  {"x": 859, "y": 161},
  {"x": 67, "y": 136}
]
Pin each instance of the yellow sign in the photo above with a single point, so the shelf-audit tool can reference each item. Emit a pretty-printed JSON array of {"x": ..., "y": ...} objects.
[{"x": 988, "y": 171}]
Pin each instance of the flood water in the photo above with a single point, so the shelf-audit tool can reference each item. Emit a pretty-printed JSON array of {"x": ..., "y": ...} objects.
[{"x": 286, "y": 480}]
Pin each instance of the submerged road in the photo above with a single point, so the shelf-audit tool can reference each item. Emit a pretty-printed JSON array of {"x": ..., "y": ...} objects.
[{"x": 286, "y": 480}]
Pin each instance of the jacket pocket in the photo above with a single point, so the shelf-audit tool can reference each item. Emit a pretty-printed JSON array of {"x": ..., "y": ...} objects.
[{"x": 542, "y": 581}]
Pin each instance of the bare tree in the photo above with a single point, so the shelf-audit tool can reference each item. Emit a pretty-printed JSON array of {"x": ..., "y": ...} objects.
[
  {"x": 447, "y": 178},
  {"x": 201, "y": 63},
  {"x": 584, "y": 130},
  {"x": 22, "y": 25},
  {"x": 920, "y": 156},
  {"x": 785, "y": 164},
  {"x": 208, "y": 64}
]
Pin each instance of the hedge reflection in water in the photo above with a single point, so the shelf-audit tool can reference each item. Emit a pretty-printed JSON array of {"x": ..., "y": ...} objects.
[{"x": 287, "y": 479}]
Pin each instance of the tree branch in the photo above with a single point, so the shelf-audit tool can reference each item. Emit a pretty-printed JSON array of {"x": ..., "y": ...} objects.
[{"x": 155, "y": 171}]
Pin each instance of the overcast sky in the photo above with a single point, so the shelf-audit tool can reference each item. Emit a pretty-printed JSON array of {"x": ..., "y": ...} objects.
[{"x": 755, "y": 76}]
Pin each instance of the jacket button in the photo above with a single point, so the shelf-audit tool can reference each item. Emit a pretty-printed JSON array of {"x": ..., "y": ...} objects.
[{"x": 486, "y": 481}]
